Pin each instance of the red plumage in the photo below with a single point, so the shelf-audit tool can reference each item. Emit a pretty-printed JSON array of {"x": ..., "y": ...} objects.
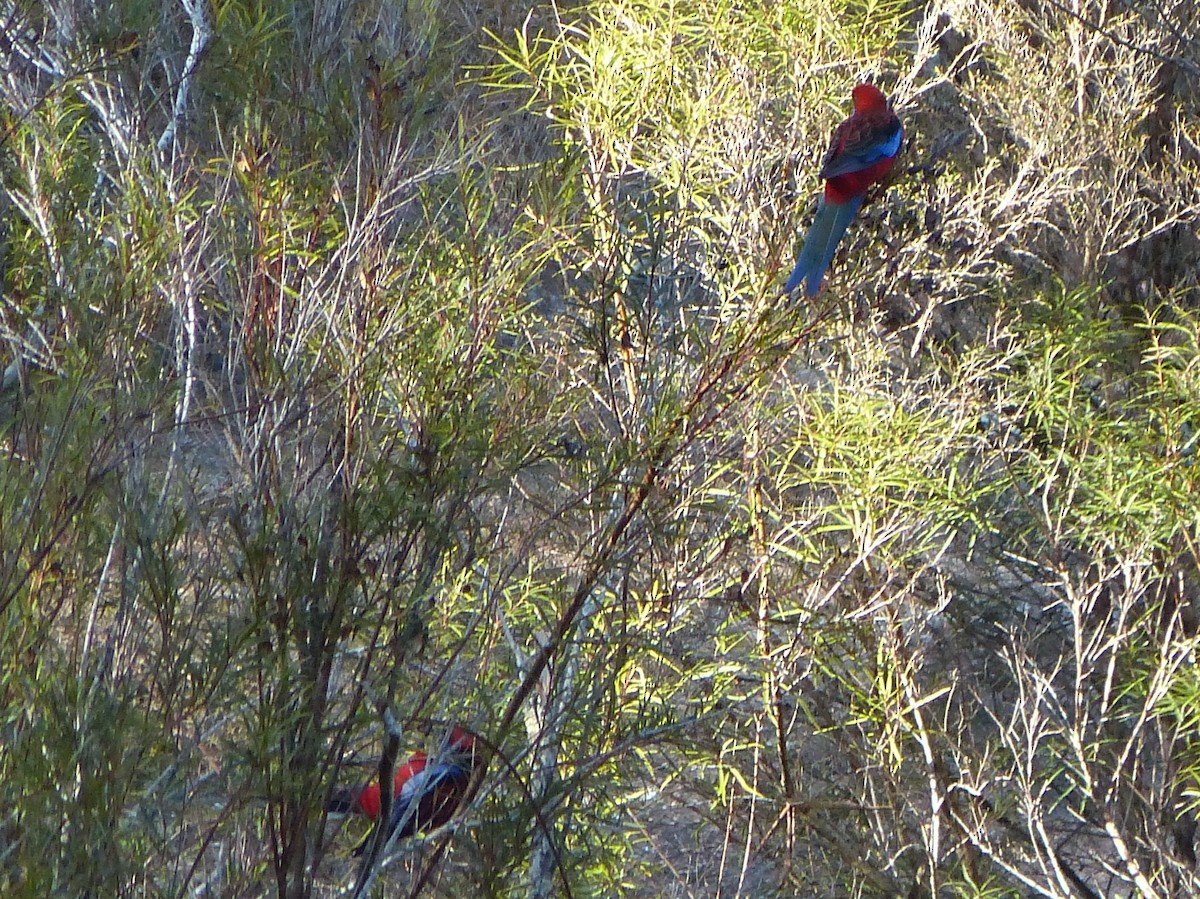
[{"x": 426, "y": 792}]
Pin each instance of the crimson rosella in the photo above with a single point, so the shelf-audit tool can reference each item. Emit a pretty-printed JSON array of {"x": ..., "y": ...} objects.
[
  {"x": 862, "y": 151},
  {"x": 426, "y": 790}
]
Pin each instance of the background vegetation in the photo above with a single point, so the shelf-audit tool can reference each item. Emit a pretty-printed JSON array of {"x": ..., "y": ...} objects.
[{"x": 426, "y": 359}]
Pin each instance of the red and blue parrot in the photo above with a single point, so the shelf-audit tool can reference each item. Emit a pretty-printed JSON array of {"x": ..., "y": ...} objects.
[
  {"x": 426, "y": 791},
  {"x": 861, "y": 153}
]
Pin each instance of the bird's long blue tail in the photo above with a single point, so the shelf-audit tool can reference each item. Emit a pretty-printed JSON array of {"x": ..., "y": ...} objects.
[{"x": 821, "y": 243}]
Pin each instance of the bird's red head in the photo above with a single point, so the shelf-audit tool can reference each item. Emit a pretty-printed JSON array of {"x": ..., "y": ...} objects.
[
  {"x": 461, "y": 741},
  {"x": 868, "y": 98}
]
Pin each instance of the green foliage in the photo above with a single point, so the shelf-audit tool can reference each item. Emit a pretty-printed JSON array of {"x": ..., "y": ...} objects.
[
  {"x": 437, "y": 374},
  {"x": 668, "y": 90},
  {"x": 1105, "y": 441}
]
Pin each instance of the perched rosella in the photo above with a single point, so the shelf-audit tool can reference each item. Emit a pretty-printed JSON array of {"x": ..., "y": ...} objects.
[
  {"x": 862, "y": 151},
  {"x": 426, "y": 790}
]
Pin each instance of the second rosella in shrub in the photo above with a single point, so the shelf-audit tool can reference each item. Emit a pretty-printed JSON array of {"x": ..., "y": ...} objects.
[{"x": 426, "y": 791}]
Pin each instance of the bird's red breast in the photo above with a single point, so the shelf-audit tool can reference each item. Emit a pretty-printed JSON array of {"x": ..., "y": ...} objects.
[
  {"x": 368, "y": 802},
  {"x": 459, "y": 754},
  {"x": 843, "y": 188}
]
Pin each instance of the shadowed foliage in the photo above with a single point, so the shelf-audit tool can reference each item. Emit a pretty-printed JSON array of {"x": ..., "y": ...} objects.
[{"x": 372, "y": 369}]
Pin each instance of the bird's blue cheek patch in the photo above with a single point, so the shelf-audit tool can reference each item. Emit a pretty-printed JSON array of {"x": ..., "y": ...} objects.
[{"x": 892, "y": 146}]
